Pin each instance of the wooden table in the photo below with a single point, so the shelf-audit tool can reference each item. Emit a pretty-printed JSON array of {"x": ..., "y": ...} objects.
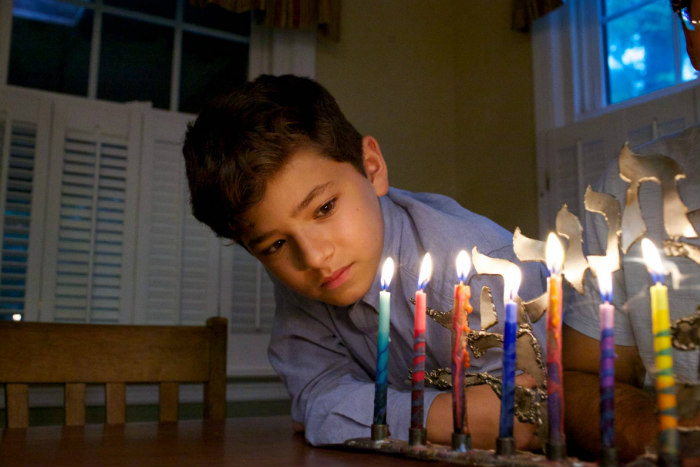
[{"x": 254, "y": 441}]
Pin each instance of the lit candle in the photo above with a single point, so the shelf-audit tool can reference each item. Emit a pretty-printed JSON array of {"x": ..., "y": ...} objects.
[
  {"x": 607, "y": 366},
  {"x": 556, "y": 448},
  {"x": 665, "y": 384},
  {"x": 460, "y": 356},
  {"x": 511, "y": 283},
  {"x": 382, "y": 352},
  {"x": 417, "y": 433}
]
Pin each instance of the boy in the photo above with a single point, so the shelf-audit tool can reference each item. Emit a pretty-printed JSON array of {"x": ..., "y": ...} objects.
[{"x": 275, "y": 166}]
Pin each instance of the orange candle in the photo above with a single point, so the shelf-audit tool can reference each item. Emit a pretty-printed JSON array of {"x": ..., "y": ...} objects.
[
  {"x": 556, "y": 448},
  {"x": 460, "y": 356}
]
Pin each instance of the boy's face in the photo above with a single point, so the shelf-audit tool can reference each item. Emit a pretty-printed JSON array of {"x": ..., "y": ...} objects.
[{"x": 319, "y": 227}]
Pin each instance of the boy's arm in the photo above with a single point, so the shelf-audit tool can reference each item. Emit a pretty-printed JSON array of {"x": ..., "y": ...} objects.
[
  {"x": 332, "y": 394},
  {"x": 483, "y": 409},
  {"x": 635, "y": 417}
]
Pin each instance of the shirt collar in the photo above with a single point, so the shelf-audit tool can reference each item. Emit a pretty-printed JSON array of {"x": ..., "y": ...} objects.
[{"x": 396, "y": 246}]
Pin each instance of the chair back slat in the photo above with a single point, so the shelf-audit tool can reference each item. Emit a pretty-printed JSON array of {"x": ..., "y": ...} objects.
[
  {"x": 17, "y": 405},
  {"x": 80, "y": 354},
  {"x": 169, "y": 396},
  {"x": 115, "y": 401},
  {"x": 74, "y": 400},
  {"x": 215, "y": 388}
]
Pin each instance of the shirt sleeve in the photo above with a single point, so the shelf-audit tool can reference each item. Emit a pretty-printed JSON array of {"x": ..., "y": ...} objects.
[{"x": 332, "y": 395}]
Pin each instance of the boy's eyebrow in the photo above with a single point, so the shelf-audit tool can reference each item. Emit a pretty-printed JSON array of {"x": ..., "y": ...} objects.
[
  {"x": 310, "y": 197},
  {"x": 318, "y": 189}
]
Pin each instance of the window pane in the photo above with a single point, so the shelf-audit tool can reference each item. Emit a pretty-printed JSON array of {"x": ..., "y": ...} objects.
[
  {"x": 164, "y": 8},
  {"x": 135, "y": 61},
  {"x": 611, "y": 7},
  {"x": 214, "y": 16},
  {"x": 640, "y": 55},
  {"x": 209, "y": 66},
  {"x": 50, "y": 47}
]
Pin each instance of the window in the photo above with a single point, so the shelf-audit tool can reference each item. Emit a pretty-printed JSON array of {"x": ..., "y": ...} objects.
[
  {"x": 644, "y": 48},
  {"x": 606, "y": 72},
  {"x": 167, "y": 52},
  {"x": 94, "y": 211}
]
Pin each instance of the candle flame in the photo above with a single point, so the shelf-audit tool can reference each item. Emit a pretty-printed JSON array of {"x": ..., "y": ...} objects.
[
  {"x": 464, "y": 263},
  {"x": 602, "y": 269},
  {"x": 554, "y": 253},
  {"x": 387, "y": 273},
  {"x": 652, "y": 260},
  {"x": 511, "y": 282},
  {"x": 426, "y": 269}
]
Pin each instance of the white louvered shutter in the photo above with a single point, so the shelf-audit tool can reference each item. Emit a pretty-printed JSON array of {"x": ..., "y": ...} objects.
[
  {"x": 253, "y": 302},
  {"x": 578, "y": 153},
  {"x": 91, "y": 217},
  {"x": 24, "y": 130},
  {"x": 179, "y": 269}
]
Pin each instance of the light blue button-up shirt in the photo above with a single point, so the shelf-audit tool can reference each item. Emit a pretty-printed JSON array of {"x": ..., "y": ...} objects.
[{"x": 326, "y": 355}]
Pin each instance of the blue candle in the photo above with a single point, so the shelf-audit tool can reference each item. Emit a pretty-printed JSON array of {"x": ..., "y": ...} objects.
[
  {"x": 511, "y": 286},
  {"x": 383, "y": 343}
]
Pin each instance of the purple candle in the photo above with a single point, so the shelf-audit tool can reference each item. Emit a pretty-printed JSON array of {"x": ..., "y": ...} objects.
[{"x": 607, "y": 360}]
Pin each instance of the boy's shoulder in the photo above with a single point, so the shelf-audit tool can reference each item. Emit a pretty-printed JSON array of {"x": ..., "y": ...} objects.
[
  {"x": 441, "y": 213},
  {"x": 441, "y": 226}
]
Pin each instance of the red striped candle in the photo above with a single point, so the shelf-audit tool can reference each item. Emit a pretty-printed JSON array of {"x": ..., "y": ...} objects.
[{"x": 418, "y": 377}]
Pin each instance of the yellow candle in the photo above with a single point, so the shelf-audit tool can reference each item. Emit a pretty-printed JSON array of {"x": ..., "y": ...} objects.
[{"x": 661, "y": 328}]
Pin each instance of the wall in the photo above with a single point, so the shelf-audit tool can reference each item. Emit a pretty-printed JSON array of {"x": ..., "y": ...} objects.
[{"x": 446, "y": 88}]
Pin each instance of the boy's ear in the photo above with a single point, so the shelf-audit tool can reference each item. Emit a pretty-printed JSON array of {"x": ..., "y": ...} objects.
[{"x": 375, "y": 166}]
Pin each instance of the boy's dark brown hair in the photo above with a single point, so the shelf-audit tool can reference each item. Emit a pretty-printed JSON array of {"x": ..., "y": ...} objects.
[{"x": 241, "y": 139}]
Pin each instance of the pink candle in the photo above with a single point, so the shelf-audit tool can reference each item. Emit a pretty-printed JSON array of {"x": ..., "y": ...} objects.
[
  {"x": 607, "y": 366},
  {"x": 416, "y": 434}
]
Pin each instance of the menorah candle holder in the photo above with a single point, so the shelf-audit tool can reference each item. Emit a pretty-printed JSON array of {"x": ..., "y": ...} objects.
[{"x": 624, "y": 229}]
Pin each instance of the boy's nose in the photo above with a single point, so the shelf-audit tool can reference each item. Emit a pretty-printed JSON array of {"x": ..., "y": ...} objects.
[{"x": 314, "y": 251}]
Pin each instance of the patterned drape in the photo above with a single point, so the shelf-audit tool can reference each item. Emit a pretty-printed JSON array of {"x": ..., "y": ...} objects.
[
  {"x": 322, "y": 15},
  {"x": 527, "y": 11}
]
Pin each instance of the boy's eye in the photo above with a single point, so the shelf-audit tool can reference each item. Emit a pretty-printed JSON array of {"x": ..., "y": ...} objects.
[
  {"x": 326, "y": 209},
  {"x": 273, "y": 248}
]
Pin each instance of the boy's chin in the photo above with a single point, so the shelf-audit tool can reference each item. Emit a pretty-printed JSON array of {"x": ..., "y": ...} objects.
[
  {"x": 344, "y": 298},
  {"x": 341, "y": 301}
]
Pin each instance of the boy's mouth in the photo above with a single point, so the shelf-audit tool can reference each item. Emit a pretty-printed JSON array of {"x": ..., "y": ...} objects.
[{"x": 336, "y": 279}]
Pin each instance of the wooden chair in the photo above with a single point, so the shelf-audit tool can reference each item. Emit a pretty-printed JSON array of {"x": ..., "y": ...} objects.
[{"x": 80, "y": 354}]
